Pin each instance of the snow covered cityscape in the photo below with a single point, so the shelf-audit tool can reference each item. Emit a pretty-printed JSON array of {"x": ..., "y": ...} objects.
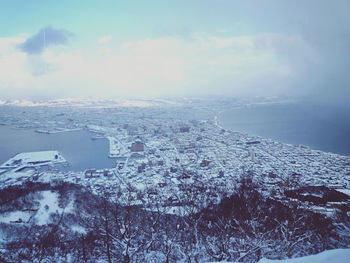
[
  {"x": 165, "y": 131},
  {"x": 173, "y": 159}
]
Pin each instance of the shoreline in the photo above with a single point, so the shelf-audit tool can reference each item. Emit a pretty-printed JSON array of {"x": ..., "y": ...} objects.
[{"x": 218, "y": 123}]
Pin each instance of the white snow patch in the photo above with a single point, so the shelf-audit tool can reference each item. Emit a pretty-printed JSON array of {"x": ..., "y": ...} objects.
[
  {"x": 335, "y": 255},
  {"x": 140, "y": 186},
  {"x": 174, "y": 210},
  {"x": 69, "y": 209},
  {"x": 48, "y": 205},
  {"x": 11, "y": 217},
  {"x": 78, "y": 229}
]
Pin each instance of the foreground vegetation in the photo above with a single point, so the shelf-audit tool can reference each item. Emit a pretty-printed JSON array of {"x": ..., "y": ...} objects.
[{"x": 243, "y": 227}]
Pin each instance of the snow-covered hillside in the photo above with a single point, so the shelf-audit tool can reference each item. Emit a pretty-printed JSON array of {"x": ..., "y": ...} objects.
[{"x": 329, "y": 256}]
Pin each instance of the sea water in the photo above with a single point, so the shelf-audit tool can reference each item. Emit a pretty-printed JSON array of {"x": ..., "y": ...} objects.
[
  {"x": 321, "y": 127},
  {"x": 77, "y": 147}
]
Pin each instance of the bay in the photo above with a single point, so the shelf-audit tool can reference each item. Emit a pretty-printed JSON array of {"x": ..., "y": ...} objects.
[{"x": 76, "y": 147}]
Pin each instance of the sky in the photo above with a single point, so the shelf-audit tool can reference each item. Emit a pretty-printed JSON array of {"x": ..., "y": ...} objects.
[{"x": 147, "y": 49}]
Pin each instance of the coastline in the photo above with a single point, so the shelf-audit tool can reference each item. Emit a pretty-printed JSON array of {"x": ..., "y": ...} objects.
[{"x": 220, "y": 123}]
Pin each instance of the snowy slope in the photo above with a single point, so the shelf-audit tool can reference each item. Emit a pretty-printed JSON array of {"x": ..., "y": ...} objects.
[
  {"x": 48, "y": 205},
  {"x": 335, "y": 255}
]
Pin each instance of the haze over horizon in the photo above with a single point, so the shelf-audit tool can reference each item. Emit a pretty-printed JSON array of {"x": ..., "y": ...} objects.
[{"x": 161, "y": 49}]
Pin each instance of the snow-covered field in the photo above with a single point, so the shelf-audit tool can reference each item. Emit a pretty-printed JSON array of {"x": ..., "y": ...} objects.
[
  {"x": 48, "y": 205},
  {"x": 328, "y": 256},
  {"x": 9, "y": 217}
]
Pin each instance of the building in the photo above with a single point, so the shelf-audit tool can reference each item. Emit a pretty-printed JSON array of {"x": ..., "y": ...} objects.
[
  {"x": 204, "y": 163},
  {"x": 137, "y": 147},
  {"x": 90, "y": 173},
  {"x": 252, "y": 155},
  {"x": 252, "y": 142},
  {"x": 184, "y": 129}
]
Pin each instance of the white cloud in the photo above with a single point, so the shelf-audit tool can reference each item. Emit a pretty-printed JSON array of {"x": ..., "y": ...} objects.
[
  {"x": 105, "y": 39},
  {"x": 13, "y": 71},
  {"x": 202, "y": 64}
]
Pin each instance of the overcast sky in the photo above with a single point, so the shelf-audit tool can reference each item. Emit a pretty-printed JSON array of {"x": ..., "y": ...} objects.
[{"x": 114, "y": 49}]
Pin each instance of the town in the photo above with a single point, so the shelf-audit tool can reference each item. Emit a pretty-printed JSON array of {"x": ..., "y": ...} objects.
[{"x": 162, "y": 149}]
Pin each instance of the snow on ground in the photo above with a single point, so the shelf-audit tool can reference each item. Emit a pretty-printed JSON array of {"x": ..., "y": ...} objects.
[
  {"x": 328, "y": 256},
  {"x": 12, "y": 177},
  {"x": 114, "y": 147},
  {"x": 139, "y": 186},
  {"x": 137, "y": 103},
  {"x": 48, "y": 205},
  {"x": 178, "y": 210},
  {"x": 20, "y": 216},
  {"x": 96, "y": 128},
  {"x": 78, "y": 229},
  {"x": 69, "y": 209},
  {"x": 173, "y": 210}
]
